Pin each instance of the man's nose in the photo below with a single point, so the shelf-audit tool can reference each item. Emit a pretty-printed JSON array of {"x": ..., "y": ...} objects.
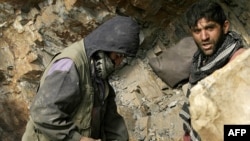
[{"x": 204, "y": 35}]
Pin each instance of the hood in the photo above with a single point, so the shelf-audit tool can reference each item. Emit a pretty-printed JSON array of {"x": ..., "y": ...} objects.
[{"x": 119, "y": 34}]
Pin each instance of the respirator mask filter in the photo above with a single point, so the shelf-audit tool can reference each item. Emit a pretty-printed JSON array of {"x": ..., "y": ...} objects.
[{"x": 103, "y": 65}]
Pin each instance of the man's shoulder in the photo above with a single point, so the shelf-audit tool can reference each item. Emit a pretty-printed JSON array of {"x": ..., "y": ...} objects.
[{"x": 237, "y": 53}]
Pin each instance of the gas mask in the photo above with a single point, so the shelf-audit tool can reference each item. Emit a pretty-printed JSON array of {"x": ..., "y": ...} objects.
[{"x": 103, "y": 65}]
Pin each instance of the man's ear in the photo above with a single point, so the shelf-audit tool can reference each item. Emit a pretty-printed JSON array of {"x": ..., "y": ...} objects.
[{"x": 226, "y": 26}]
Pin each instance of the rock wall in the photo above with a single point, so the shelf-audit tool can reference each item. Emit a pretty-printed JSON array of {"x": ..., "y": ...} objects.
[{"x": 34, "y": 30}]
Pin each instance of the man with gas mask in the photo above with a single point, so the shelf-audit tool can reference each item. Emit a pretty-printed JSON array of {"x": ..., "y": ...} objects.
[{"x": 74, "y": 101}]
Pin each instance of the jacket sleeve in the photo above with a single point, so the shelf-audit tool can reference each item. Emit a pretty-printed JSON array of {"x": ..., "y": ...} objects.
[
  {"x": 55, "y": 102},
  {"x": 114, "y": 124}
]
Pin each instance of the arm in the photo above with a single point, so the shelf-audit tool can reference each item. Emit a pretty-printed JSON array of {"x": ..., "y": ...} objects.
[
  {"x": 55, "y": 102},
  {"x": 114, "y": 124},
  {"x": 238, "y": 52}
]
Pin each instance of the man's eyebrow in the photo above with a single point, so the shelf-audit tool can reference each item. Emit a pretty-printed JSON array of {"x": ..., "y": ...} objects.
[{"x": 209, "y": 25}]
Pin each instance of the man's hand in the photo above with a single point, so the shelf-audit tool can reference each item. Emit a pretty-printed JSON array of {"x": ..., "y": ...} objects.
[
  {"x": 186, "y": 137},
  {"x": 89, "y": 139}
]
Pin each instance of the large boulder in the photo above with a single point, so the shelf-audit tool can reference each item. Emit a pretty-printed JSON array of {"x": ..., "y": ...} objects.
[{"x": 221, "y": 99}]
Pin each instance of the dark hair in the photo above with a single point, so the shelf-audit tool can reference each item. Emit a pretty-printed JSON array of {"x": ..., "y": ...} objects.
[{"x": 207, "y": 9}]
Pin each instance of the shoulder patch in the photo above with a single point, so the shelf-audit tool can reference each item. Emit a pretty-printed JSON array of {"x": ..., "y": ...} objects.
[{"x": 61, "y": 65}]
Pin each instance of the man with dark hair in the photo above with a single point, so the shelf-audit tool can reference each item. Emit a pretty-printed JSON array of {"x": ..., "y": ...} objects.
[
  {"x": 74, "y": 101},
  {"x": 216, "y": 44}
]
